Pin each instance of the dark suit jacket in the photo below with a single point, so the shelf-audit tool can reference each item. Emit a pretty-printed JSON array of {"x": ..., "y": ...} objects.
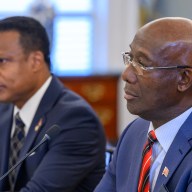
[
  {"x": 123, "y": 172},
  {"x": 73, "y": 161}
]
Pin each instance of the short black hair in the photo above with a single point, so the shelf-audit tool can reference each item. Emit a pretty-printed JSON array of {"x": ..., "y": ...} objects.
[{"x": 33, "y": 36}]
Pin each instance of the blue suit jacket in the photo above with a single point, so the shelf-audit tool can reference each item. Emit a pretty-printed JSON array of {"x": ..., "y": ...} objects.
[
  {"x": 123, "y": 172},
  {"x": 73, "y": 161}
]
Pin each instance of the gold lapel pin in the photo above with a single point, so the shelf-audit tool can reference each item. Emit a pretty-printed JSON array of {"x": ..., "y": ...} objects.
[{"x": 38, "y": 124}]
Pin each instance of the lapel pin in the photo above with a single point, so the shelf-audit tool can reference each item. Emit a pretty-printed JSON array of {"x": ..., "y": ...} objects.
[
  {"x": 40, "y": 122},
  {"x": 165, "y": 172}
]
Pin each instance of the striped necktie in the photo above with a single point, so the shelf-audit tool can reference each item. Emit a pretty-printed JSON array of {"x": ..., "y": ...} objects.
[
  {"x": 144, "y": 185},
  {"x": 15, "y": 147}
]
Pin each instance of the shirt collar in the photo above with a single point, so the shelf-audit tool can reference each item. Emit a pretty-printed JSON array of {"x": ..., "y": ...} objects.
[
  {"x": 166, "y": 133},
  {"x": 27, "y": 112}
]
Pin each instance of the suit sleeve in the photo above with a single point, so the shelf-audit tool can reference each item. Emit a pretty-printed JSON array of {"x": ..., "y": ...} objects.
[
  {"x": 72, "y": 156},
  {"x": 108, "y": 181}
]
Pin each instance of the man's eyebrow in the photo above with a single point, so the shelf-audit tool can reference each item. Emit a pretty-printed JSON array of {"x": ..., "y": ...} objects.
[{"x": 142, "y": 53}]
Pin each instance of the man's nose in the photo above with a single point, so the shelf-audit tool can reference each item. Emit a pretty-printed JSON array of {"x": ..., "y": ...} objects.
[{"x": 128, "y": 75}]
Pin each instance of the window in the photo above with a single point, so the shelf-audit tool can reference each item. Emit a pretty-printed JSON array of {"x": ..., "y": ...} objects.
[{"x": 71, "y": 35}]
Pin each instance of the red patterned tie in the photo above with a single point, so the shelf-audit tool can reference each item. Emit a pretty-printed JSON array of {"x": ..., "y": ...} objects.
[{"x": 144, "y": 184}]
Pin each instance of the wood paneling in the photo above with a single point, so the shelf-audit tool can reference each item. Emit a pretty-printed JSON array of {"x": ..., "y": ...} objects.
[{"x": 101, "y": 92}]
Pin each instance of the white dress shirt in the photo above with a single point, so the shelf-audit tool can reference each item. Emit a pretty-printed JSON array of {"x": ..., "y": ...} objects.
[
  {"x": 27, "y": 112},
  {"x": 165, "y": 135}
]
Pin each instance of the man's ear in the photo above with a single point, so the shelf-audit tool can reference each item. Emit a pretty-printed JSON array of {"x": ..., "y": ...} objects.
[
  {"x": 37, "y": 60},
  {"x": 185, "y": 79}
]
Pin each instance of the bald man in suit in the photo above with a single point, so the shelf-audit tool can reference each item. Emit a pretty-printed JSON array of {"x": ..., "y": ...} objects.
[{"x": 158, "y": 88}]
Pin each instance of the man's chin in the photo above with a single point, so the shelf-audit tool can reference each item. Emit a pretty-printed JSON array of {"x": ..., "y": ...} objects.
[{"x": 132, "y": 108}]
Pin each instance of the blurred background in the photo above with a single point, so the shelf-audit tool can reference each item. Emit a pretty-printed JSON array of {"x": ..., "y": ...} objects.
[{"x": 87, "y": 38}]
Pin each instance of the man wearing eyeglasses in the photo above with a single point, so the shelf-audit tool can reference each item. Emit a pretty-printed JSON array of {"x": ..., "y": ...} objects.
[{"x": 154, "y": 152}]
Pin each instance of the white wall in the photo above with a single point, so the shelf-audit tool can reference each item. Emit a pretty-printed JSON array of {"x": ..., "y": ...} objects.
[{"x": 122, "y": 25}]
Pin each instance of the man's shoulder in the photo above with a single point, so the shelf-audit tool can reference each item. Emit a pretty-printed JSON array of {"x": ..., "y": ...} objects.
[
  {"x": 5, "y": 107},
  {"x": 137, "y": 125},
  {"x": 135, "y": 130},
  {"x": 69, "y": 104}
]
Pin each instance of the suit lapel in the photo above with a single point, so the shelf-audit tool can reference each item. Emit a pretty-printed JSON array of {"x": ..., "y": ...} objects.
[
  {"x": 178, "y": 149},
  {"x": 5, "y": 130},
  {"x": 40, "y": 118},
  {"x": 142, "y": 138},
  {"x": 32, "y": 134},
  {"x": 136, "y": 164},
  {"x": 139, "y": 130}
]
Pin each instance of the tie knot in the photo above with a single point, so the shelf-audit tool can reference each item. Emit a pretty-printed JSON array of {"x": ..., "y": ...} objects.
[
  {"x": 18, "y": 121},
  {"x": 152, "y": 137}
]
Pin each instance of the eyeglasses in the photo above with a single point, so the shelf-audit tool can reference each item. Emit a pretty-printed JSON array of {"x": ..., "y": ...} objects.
[{"x": 139, "y": 68}]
